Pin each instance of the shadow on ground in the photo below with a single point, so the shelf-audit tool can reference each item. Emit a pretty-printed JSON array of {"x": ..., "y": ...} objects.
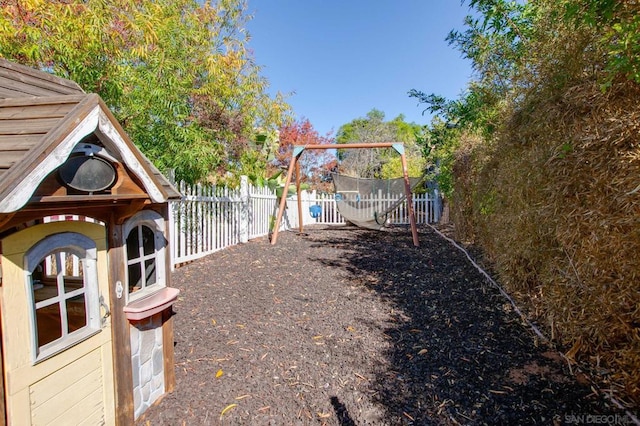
[
  {"x": 344, "y": 326},
  {"x": 457, "y": 352}
]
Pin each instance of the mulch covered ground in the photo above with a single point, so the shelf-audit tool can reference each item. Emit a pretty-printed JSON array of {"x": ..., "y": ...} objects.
[{"x": 344, "y": 326}]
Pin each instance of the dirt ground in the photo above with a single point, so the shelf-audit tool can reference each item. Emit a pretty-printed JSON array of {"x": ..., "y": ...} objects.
[{"x": 344, "y": 326}]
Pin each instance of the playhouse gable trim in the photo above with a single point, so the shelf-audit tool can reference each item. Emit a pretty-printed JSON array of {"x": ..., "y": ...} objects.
[
  {"x": 29, "y": 167},
  {"x": 44, "y": 143}
]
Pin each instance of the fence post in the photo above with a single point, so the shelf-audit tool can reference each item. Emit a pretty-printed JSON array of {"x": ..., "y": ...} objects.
[
  {"x": 172, "y": 232},
  {"x": 244, "y": 209}
]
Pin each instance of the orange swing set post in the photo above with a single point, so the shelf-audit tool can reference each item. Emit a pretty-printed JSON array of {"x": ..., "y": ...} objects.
[{"x": 294, "y": 165}]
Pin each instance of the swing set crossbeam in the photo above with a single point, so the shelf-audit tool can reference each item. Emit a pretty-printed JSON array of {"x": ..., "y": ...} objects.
[{"x": 351, "y": 145}]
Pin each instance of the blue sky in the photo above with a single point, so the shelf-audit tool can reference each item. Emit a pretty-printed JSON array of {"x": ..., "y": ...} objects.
[{"x": 341, "y": 58}]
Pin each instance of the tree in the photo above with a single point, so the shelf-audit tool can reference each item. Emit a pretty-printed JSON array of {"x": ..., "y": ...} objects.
[
  {"x": 370, "y": 129},
  {"x": 523, "y": 52},
  {"x": 497, "y": 40},
  {"x": 617, "y": 25},
  {"x": 315, "y": 165},
  {"x": 176, "y": 73},
  {"x": 378, "y": 163},
  {"x": 518, "y": 49}
]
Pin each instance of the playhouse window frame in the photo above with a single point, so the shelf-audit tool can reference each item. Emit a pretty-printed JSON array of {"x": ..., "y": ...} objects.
[
  {"x": 154, "y": 222},
  {"x": 85, "y": 249}
]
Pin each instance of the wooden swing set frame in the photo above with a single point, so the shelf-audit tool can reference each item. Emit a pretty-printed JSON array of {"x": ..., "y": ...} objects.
[{"x": 295, "y": 165}]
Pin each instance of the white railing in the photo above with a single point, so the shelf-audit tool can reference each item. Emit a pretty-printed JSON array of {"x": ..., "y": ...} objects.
[
  {"x": 427, "y": 208},
  {"x": 210, "y": 219},
  {"x": 262, "y": 208},
  {"x": 207, "y": 219}
]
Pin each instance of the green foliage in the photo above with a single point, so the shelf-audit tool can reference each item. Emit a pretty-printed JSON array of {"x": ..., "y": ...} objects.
[
  {"x": 617, "y": 23},
  {"x": 176, "y": 73},
  {"x": 379, "y": 163},
  {"x": 525, "y": 52},
  {"x": 439, "y": 146},
  {"x": 478, "y": 109},
  {"x": 255, "y": 161},
  {"x": 371, "y": 128},
  {"x": 518, "y": 49},
  {"x": 393, "y": 168},
  {"x": 497, "y": 41}
]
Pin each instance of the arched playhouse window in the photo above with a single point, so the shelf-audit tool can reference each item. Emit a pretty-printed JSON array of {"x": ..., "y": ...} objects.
[
  {"x": 146, "y": 251},
  {"x": 62, "y": 290}
]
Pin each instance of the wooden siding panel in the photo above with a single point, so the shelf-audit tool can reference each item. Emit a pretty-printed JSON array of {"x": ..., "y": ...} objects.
[
  {"x": 36, "y": 111},
  {"x": 18, "y": 89},
  {"x": 59, "y": 130},
  {"x": 6, "y": 92},
  {"x": 30, "y": 126},
  {"x": 76, "y": 390},
  {"x": 48, "y": 387},
  {"x": 18, "y": 142},
  {"x": 9, "y": 158},
  {"x": 88, "y": 407},
  {"x": 91, "y": 380},
  {"x": 48, "y": 100},
  {"x": 96, "y": 418}
]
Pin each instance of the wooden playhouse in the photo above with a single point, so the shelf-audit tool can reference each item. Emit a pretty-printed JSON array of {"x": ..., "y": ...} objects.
[{"x": 85, "y": 296}]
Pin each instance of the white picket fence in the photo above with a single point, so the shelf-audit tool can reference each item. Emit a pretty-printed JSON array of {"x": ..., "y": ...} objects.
[{"x": 209, "y": 219}]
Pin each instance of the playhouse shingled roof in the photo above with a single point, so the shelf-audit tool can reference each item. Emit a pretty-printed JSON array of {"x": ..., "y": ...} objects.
[{"x": 42, "y": 118}]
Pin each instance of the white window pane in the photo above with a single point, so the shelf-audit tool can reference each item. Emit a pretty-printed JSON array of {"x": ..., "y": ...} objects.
[
  {"x": 133, "y": 244},
  {"x": 49, "y": 324},
  {"x": 150, "y": 272},
  {"x": 135, "y": 277},
  {"x": 148, "y": 240},
  {"x": 76, "y": 313}
]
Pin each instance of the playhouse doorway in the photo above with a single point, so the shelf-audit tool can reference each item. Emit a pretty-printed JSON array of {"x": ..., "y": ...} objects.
[{"x": 56, "y": 329}]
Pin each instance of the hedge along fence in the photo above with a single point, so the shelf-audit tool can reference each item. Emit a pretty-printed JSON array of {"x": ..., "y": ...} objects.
[{"x": 555, "y": 205}]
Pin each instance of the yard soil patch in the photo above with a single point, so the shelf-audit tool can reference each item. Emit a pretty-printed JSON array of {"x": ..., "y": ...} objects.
[{"x": 345, "y": 326}]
